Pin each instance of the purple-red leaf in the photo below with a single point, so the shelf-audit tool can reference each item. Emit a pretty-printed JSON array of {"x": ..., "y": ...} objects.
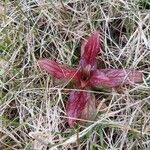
[
  {"x": 57, "y": 70},
  {"x": 90, "y": 50},
  {"x": 76, "y": 103},
  {"x": 115, "y": 77},
  {"x": 89, "y": 111}
]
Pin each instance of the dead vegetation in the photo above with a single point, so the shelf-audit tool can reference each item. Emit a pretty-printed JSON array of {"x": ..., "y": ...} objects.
[{"x": 32, "y": 106}]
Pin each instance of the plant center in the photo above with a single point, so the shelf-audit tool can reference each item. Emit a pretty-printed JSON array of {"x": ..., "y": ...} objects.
[{"x": 84, "y": 77}]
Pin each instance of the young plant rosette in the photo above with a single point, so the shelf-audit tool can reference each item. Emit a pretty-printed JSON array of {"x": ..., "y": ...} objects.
[{"x": 81, "y": 103}]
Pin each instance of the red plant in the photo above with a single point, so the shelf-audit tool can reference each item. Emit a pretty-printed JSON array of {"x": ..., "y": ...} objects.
[{"x": 87, "y": 75}]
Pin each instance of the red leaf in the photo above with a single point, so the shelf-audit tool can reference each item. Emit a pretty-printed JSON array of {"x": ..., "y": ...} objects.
[
  {"x": 76, "y": 103},
  {"x": 90, "y": 50},
  {"x": 89, "y": 111},
  {"x": 115, "y": 77},
  {"x": 57, "y": 70}
]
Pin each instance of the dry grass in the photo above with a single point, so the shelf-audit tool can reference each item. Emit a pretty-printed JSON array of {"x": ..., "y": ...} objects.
[{"x": 32, "y": 107}]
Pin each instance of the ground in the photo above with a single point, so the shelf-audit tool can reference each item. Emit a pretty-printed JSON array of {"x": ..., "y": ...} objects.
[{"x": 32, "y": 103}]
